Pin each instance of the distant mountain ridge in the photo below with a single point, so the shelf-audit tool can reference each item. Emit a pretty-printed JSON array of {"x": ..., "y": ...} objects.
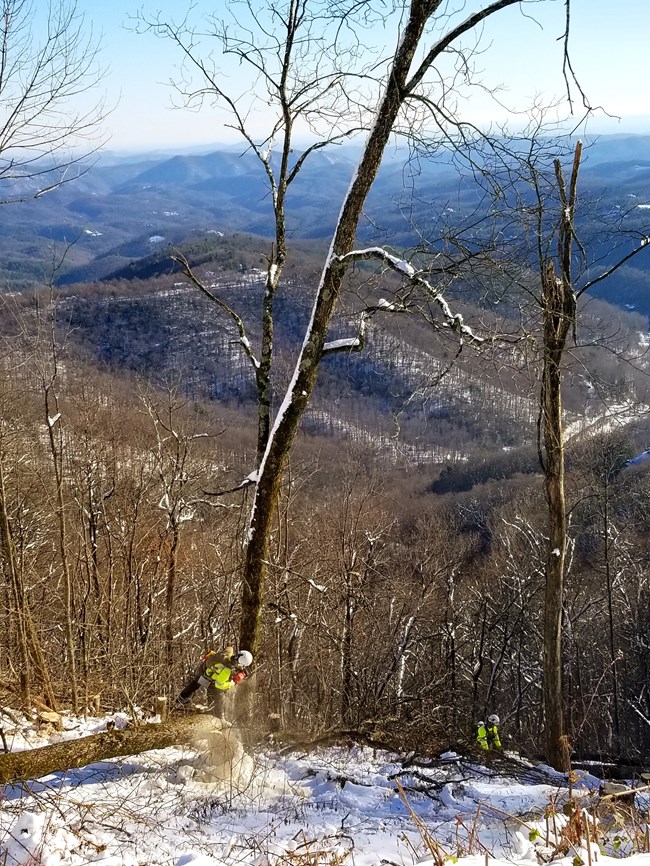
[{"x": 121, "y": 211}]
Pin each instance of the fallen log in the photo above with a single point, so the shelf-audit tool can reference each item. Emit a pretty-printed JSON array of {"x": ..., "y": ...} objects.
[{"x": 73, "y": 754}]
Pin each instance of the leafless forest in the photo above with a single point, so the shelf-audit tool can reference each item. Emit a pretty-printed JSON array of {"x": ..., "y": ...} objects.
[{"x": 405, "y": 591}]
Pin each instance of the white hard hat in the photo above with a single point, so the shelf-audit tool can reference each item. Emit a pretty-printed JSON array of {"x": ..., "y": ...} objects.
[
  {"x": 493, "y": 719},
  {"x": 243, "y": 658}
]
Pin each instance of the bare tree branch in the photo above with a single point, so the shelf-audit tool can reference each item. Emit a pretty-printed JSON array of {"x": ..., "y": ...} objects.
[{"x": 47, "y": 61}]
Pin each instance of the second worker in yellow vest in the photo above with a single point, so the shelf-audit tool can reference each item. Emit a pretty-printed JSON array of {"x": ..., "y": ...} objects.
[{"x": 487, "y": 735}]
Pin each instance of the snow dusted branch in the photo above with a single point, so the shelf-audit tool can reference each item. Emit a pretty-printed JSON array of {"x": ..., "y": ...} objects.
[
  {"x": 180, "y": 259},
  {"x": 383, "y": 255},
  {"x": 250, "y": 480},
  {"x": 639, "y": 713},
  {"x": 349, "y": 344},
  {"x": 400, "y": 266}
]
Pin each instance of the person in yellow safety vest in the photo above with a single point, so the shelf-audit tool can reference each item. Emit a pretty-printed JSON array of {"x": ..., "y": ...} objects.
[
  {"x": 488, "y": 735},
  {"x": 217, "y": 673}
]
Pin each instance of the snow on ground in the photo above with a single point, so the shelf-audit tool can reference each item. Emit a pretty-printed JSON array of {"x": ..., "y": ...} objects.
[{"x": 324, "y": 807}]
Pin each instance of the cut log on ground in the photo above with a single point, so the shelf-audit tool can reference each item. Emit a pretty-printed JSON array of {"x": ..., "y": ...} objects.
[{"x": 72, "y": 754}]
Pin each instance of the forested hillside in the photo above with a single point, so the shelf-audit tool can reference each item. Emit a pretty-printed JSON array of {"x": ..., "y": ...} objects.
[
  {"x": 407, "y": 563},
  {"x": 410, "y": 537},
  {"x": 404, "y": 395}
]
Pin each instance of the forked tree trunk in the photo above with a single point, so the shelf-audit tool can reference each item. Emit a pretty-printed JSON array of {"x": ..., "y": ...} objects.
[{"x": 559, "y": 317}]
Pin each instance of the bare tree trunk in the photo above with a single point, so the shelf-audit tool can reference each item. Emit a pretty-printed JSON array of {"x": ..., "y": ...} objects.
[
  {"x": 17, "y": 593},
  {"x": 304, "y": 379},
  {"x": 554, "y": 484},
  {"x": 170, "y": 595},
  {"x": 52, "y": 418},
  {"x": 559, "y": 316},
  {"x": 610, "y": 611},
  {"x": 346, "y": 651}
]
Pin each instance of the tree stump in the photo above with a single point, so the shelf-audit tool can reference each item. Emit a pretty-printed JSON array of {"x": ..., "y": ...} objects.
[{"x": 162, "y": 708}]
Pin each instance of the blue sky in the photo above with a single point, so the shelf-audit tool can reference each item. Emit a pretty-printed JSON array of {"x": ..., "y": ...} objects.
[{"x": 608, "y": 42}]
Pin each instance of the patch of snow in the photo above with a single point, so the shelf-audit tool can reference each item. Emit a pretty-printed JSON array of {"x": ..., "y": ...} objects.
[{"x": 640, "y": 458}]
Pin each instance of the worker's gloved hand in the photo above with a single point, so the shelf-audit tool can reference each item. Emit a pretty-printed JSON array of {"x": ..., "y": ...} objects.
[{"x": 238, "y": 677}]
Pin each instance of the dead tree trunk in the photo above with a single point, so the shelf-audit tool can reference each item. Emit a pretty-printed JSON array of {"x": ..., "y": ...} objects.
[
  {"x": 559, "y": 317},
  {"x": 557, "y": 325}
]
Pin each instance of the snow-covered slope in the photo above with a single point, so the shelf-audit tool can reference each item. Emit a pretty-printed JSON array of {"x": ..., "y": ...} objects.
[{"x": 300, "y": 808}]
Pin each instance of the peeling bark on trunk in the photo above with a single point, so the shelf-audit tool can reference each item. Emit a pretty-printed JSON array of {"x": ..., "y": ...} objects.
[{"x": 35, "y": 763}]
